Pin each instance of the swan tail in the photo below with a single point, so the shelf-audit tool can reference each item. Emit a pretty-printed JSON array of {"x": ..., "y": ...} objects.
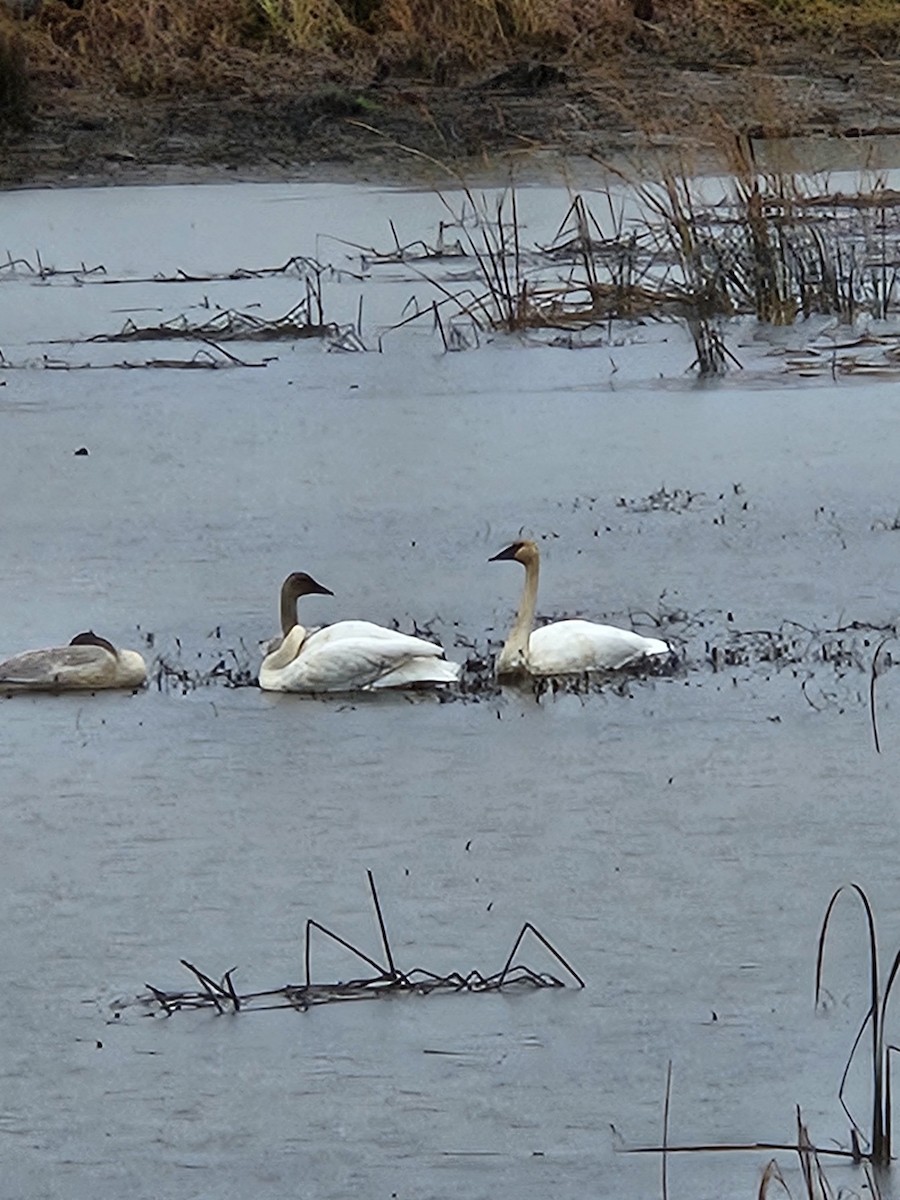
[
  {"x": 419, "y": 672},
  {"x": 656, "y": 648}
]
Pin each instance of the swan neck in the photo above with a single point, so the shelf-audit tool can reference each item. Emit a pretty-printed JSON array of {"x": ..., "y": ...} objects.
[
  {"x": 515, "y": 653},
  {"x": 288, "y": 610},
  {"x": 287, "y": 651}
]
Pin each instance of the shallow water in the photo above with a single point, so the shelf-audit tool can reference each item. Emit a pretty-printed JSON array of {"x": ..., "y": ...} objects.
[{"x": 677, "y": 839}]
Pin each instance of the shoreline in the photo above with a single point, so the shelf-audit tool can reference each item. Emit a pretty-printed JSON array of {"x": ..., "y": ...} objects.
[{"x": 411, "y": 134}]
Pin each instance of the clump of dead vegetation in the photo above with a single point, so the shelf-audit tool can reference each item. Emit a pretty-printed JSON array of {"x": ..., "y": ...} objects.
[
  {"x": 388, "y": 980},
  {"x": 776, "y": 247}
]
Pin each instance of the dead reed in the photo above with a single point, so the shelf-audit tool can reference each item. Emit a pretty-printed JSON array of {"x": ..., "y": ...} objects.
[
  {"x": 776, "y": 248},
  {"x": 229, "y": 325},
  {"x": 874, "y": 1144},
  {"x": 872, "y": 1147},
  {"x": 388, "y": 980}
]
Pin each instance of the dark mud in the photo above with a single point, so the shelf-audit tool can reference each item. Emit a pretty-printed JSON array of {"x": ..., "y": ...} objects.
[{"x": 401, "y": 129}]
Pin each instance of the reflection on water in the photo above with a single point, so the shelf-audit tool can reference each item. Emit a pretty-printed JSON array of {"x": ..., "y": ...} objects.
[{"x": 677, "y": 836}]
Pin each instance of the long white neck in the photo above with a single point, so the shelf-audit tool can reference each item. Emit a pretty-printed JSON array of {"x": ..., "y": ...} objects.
[{"x": 514, "y": 655}]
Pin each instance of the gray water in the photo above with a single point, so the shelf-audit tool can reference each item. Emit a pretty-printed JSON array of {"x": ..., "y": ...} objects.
[{"x": 677, "y": 840}]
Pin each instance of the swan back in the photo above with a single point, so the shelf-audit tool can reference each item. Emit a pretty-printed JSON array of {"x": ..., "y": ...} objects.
[
  {"x": 570, "y": 647},
  {"x": 88, "y": 663}
]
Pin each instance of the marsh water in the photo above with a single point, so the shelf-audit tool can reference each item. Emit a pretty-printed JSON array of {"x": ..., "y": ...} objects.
[{"x": 676, "y": 838}]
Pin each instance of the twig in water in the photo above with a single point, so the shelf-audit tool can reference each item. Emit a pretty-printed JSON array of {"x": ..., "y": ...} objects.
[{"x": 872, "y": 679}]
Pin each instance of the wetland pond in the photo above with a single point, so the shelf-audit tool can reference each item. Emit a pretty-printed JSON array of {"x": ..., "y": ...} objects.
[{"x": 676, "y": 838}]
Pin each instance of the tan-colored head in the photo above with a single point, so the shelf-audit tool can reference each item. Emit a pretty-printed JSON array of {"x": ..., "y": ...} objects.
[
  {"x": 92, "y": 639},
  {"x": 524, "y": 552}
]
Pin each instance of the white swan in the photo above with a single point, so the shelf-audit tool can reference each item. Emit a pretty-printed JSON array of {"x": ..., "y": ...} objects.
[
  {"x": 564, "y": 647},
  {"x": 347, "y": 656},
  {"x": 88, "y": 663}
]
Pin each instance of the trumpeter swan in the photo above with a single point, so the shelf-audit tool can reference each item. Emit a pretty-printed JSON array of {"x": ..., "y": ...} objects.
[
  {"x": 347, "y": 656},
  {"x": 88, "y": 663},
  {"x": 564, "y": 647}
]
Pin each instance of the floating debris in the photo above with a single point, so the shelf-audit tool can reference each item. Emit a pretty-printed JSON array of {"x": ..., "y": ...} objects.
[
  {"x": 297, "y": 267},
  {"x": 792, "y": 644},
  {"x": 215, "y": 358},
  {"x": 868, "y": 354},
  {"x": 229, "y": 325},
  {"x": 662, "y": 500},
  {"x": 388, "y": 979},
  {"x": 232, "y": 668}
]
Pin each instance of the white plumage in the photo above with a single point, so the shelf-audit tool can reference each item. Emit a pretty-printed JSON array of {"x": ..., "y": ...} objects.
[
  {"x": 564, "y": 647},
  {"x": 349, "y": 655}
]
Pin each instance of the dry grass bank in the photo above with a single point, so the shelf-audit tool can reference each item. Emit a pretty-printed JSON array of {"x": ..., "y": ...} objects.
[
  {"x": 146, "y": 47},
  {"x": 101, "y": 88}
]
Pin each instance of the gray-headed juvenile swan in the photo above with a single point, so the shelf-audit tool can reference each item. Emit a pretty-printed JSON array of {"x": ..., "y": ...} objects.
[
  {"x": 564, "y": 647},
  {"x": 88, "y": 663},
  {"x": 347, "y": 656}
]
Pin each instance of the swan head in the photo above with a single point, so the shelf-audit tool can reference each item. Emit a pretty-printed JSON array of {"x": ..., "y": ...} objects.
[
  {"x": 524, "y": 552},
  {"x": 298, "y": 584},
  {"x": 89, "y": 638}
]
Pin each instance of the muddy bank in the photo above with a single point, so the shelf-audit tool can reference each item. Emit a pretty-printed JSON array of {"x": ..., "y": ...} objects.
[{"x": 533, "y": 113}]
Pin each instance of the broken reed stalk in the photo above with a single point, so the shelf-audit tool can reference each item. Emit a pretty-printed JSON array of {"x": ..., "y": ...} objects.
[
  {"x": 665, "y": 1141},
  {"x": 384, "y": 937},
  {"x": 771, "y": 1174},
  {"x": 335, "y": 937},
  {"x": 814, "y": 1179},
  {"x": 879, "y": 1139},
  {"x": 873, "y": 677},
  {"x": 210, "y": 987},
  {"x": 529, "y": 928}
]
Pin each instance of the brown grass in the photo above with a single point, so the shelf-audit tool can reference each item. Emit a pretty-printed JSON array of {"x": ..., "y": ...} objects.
[{"x": 158, "y": 46}]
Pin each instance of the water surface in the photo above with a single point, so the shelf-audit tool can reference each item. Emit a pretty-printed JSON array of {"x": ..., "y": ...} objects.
[{"x": 677, "y": 839}]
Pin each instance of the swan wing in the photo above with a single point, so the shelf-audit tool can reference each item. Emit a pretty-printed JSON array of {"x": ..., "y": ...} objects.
[
  {"x": 344, "y": 664},
  {"x": 570, "y": 647}
]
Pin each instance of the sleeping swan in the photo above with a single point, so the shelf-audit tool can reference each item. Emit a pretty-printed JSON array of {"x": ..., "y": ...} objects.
[
  {"x": 88, "y": 663},
  {"x": 347, "y": 656},
  {"x": 564, "y": 647}
]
